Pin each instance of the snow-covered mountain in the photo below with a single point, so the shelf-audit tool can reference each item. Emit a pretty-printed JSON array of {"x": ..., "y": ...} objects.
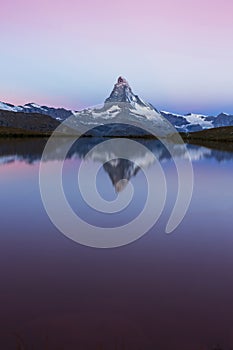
[
  {"x": 196, "y": 122},
  {"x": 123, "y": 105},
  {"x": 56, "y": 113},
  {"x": 9, "y": 107},
  {"x": 120, "y": 108}
]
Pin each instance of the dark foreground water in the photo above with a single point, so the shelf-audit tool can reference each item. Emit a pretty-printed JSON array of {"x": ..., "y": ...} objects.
[{"x": 161, "y": 292}]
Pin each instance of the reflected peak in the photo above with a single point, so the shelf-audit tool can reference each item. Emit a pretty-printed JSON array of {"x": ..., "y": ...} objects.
[{"x": 120, "y": 172}]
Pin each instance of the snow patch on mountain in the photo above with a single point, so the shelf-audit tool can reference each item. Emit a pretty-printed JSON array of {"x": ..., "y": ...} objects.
[
  {"x": 10, "y": 107},
  {"x": 174, "y": 114},
  {"x": 198, "y": 119}
]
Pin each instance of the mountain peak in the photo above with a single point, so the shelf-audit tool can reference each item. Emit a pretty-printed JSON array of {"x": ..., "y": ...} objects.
[
  {"x": 122, "y": 80},
  {"x": 122, "y": 92}
]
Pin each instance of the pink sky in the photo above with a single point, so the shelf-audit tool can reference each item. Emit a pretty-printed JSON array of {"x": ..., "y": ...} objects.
[{"x": 176, "y": 54}]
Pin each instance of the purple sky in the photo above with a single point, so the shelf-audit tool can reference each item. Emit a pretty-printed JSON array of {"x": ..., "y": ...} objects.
[{"x": 175, "y": 54}]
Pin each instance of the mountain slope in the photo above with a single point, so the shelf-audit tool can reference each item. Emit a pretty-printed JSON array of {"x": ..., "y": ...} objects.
[
  {"x": 18, "y": 123},
  {"x": 223, "y": 134}
]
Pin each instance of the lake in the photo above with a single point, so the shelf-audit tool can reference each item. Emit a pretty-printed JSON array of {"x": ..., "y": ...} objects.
[{"x": 161, "y": 292}]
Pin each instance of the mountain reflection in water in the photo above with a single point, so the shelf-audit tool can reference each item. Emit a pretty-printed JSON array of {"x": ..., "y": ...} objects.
[{"x": 120, "y": 171}]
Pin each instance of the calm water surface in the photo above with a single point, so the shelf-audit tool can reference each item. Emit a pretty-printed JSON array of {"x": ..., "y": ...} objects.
[{"x": 161, "y": 292}]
